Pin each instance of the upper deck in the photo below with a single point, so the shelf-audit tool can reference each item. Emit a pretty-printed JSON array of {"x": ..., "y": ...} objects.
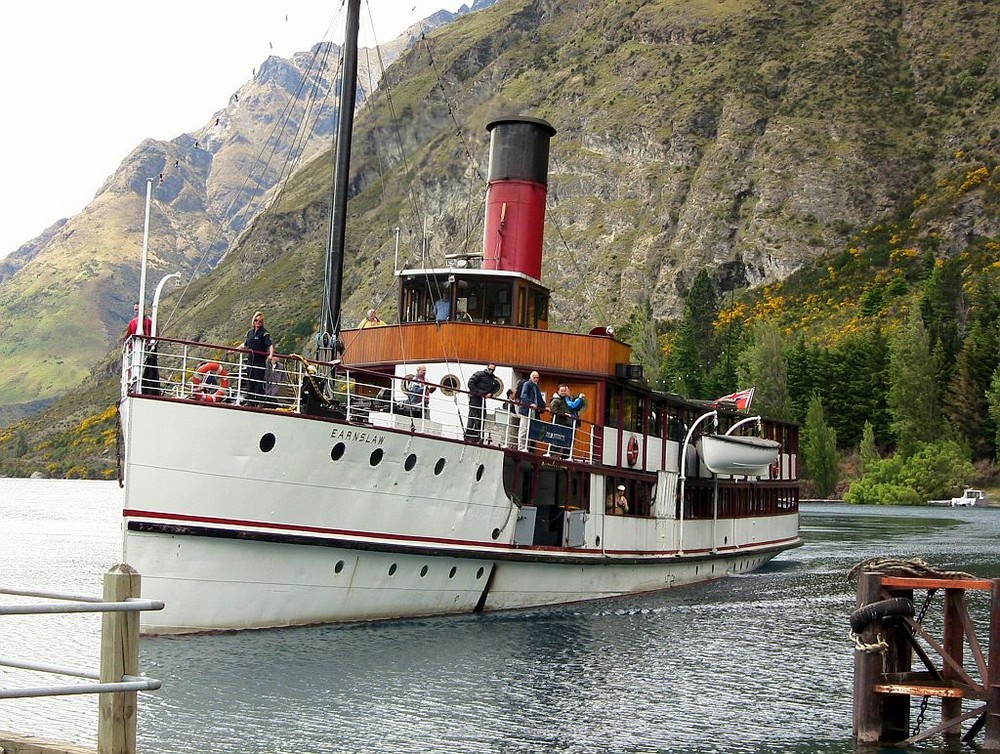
[{"x": 556, "y": 353}]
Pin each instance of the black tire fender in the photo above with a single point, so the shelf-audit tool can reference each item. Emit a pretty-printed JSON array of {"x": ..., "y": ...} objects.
[{"x": 866, "y": 614}]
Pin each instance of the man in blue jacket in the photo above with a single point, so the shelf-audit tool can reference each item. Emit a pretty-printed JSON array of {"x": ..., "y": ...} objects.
[{"x": 532, "y": 404}]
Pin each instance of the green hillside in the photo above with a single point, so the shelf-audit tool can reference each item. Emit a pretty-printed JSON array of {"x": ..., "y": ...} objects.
[{"x": 818, "y": 159}]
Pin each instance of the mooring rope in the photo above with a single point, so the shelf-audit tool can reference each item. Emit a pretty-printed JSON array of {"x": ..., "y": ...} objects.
[{"x": 914, "y": 567}]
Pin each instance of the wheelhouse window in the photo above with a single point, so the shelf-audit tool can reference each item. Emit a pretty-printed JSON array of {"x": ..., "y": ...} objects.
[
  {"x": 632, "y": 416},
  {"x": 500, "y": 299}
]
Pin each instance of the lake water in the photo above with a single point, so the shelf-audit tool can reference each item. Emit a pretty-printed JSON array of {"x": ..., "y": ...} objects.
[{"x": 758, "y": 663}]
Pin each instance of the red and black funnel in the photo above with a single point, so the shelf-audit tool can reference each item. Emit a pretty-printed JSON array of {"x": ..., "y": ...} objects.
[{"x": 515, "y": 197}]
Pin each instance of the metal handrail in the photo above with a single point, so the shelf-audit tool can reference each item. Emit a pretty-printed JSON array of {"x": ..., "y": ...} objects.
[
  {"x": 358, "y": 390},
  {"x": 73, "y": 603}
]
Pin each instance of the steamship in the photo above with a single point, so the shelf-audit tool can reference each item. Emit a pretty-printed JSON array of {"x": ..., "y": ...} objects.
[{"x": 361, "y": 506}]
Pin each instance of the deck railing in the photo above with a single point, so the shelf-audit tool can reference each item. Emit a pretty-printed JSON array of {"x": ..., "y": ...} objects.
[
  {"x": 220, "y": 374},
  {"x": 118, "y": 679}
]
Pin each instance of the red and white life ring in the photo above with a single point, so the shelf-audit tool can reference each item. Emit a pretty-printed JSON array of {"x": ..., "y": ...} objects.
[
  {"x": 219, "y": 380},
  {"x": 632, "y": 451}
]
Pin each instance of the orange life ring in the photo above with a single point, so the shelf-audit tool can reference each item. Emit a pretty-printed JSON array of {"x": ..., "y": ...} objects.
[{"x": 210, "y": 370}]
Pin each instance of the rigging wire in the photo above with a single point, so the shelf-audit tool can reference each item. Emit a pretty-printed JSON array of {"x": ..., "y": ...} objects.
[{"x": 313, "y": 74}]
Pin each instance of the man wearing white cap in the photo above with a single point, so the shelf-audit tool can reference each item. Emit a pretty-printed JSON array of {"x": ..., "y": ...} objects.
[{"x": 619, "y": 502}]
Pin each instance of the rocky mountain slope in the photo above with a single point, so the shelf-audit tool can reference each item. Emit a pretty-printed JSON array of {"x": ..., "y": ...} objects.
[{"x": 66, "y": 295}]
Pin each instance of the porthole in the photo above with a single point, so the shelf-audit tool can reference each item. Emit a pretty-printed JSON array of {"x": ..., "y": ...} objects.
[
  {"x": 479, "y": 473},
  {"x": 725, "y": 540},
  {"x": 339, "y": 567},
  {"x": 597, "y": 542},
  {"x": 267, "y": 442},
  {"x": 338, "y": 451},
  {"x": 449, "y": 384},
  {"x": 376, "y": 457},
  {"x": 410, "y": 462},
  {"x": 496, "y": 534},
  {"x": 479, "y": 573},
  {"x": 392, "y": 569},
  {"x": 423, "y": 571},
  {"x": 439, "y": 467},
  {"x": 452, "y": 572}
]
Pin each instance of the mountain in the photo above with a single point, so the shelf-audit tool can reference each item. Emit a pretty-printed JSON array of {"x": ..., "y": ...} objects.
[
  {"x": 752, "y": 138},
  {"x": 66, "y": 296}
]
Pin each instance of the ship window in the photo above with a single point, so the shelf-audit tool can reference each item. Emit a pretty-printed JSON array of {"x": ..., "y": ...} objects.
[
  {"x": 656, "y": 417},
  {"x": 392, "y": 569},
  {"x": 411, "y": 461},
  {"x": 632, "y": 419},
  {"x": 439, "y": 467},
  {"x": 498, "y": 309},
  {"x": 267, "y": 443},
  {"x": 452, "y": 572},
  {"x": 479, "y": 573},
  {"x": 338, "y": 451},
  {"x": 423, "y": 571},
  {"x": 376, "y": 457},
  {"x": 538, "y": 309},
  {"x": 479, "y": 472},
  {"x": 449, "y": 384},
  {"x": 612, "y": 408},
  {"x": 339, "y": 567}
]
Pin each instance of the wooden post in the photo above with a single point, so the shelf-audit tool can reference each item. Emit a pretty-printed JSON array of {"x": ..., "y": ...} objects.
[
  {"x": 898, "y": 660},
  {"x": 867, "y": 669},
  {"x": 992, "y": 742},
  {"x": 954, "y": 645},
  {"x": 119, "y": 656}
]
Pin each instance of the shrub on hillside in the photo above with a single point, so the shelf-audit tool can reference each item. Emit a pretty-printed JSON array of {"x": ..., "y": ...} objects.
[{"x": 934, "y": 470}]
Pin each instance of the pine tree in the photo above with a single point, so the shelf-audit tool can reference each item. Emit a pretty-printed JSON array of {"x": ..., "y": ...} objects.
[
  {"x": 763, "y": 366},
  {"x": 913, "y": 400},
  {"x": 868, "y": 450},
  {"x": 819, "y": 449},
  {"x": 694, "y": 353},
  {"x": 642, "y": 332},
  {"x": 993, "y": 401},
  {"x": 966, "y": 401}
]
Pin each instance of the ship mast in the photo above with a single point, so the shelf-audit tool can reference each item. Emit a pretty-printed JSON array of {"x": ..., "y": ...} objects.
[{"x": 331, "y": 316}]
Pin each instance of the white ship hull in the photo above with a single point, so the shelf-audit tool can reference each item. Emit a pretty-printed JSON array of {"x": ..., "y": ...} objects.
[{"x": 230, "y": 536}]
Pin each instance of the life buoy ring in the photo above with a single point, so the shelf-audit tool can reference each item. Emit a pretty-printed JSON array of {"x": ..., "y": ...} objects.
[
  {"x": 632, "y": 451},
  {"x": 206, "y": 376}
]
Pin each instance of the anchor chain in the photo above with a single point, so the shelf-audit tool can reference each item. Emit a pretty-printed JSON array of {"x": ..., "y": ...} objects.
[
  {"x": 920, "y": 716},
  {"x": 923, "y": 702}
]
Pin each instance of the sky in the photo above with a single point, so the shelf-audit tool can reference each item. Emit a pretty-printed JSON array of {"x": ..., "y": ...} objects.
[{"x": 84, "y": 83}]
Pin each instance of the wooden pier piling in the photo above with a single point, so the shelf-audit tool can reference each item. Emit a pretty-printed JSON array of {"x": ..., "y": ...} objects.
[{"x": 888, "y": 636}]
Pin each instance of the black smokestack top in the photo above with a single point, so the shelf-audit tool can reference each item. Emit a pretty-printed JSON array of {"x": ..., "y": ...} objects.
[{"x": 519, "y": 149}]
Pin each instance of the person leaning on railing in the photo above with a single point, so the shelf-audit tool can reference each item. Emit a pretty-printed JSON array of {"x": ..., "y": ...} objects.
[
  {"x": 532, "y": 404},
  {"x": 258, "y": 341}
]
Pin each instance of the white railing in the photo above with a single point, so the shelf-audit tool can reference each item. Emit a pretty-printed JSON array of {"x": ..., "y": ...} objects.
[
  {"x": 221, "y": 374},
  {"x": 118, "y": 676}
]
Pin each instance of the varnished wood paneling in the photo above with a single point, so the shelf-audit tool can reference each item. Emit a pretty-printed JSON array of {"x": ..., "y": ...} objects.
[{"x": 544, "y": 350}]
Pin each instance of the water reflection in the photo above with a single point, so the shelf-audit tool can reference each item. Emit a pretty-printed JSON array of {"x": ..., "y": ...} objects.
[{"x": 758, "y": 663}]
